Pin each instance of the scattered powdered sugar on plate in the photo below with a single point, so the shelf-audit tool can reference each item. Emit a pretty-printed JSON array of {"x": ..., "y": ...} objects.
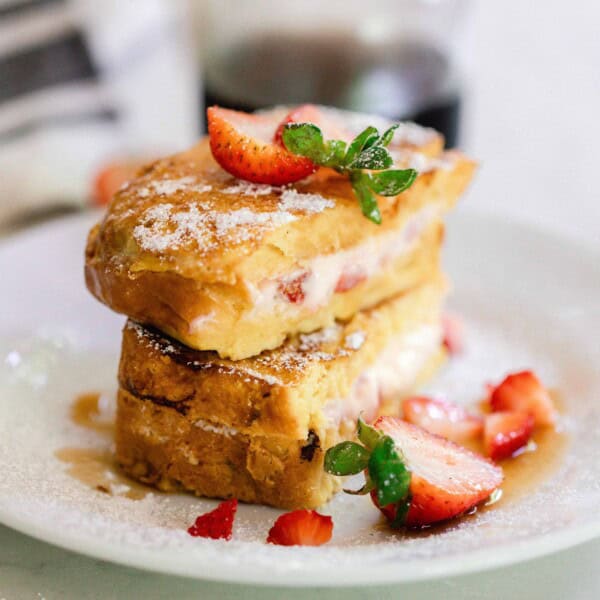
[{"x": 295, "y": 201}]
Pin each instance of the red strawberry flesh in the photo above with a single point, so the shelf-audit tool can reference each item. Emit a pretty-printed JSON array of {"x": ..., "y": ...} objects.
[
  {"x": 524, "y": 392},
  {"x": 301, "y": 528},
  {"x": 447, "y": 480},
  {"x": 506, "y": 432},
  {"x": 243, "y": 145},
  {"x": 442, "y": 418},
  {"x": 216, "y": 524}
]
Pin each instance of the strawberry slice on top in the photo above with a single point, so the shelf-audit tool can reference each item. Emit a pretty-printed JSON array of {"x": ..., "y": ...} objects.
[
  {"x": 506, "y": 433},
  {"x": 442, "y": 418},
  {"x": 301, "y": 528},
  {"x": 243, "y": 145},
  {"x": 524, "y": 392}
]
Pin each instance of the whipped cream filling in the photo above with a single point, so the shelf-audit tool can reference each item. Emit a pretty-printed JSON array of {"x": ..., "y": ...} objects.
[
  {"x": 393, "y": 373},
  {"x": 313, "y": 286}
]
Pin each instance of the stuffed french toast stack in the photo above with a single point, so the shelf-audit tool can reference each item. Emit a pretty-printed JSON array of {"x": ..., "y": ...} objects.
[{"x": 280, "y": 278}]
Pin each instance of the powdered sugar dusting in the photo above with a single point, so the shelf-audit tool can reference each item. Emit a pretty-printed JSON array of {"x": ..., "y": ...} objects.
[
  {"x": 247, "y": 188},
  {"x": 224, "y": 222},
  {"x": 168, "y": 187},
  {"x": 295, "y": 201}
]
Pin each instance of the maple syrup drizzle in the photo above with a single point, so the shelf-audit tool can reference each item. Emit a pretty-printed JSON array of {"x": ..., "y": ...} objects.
[{"x": 97, "y": 467}]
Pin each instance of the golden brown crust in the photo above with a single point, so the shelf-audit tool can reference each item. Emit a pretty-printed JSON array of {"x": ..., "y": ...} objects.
[{"x": 183, "y": 246}]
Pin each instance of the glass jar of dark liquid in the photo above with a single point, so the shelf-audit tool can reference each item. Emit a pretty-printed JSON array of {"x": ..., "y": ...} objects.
[{"x": 399, "y": 59}]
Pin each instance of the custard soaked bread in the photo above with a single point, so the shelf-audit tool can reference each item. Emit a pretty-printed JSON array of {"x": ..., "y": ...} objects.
[
  {"x": 257, "y": 429},
  {"x": 222, "y": 264}
]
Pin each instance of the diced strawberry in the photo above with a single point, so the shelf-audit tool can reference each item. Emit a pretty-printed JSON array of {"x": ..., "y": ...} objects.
[
  {"x": 111, "y": 178},
  {"x": 301, "y": 528},
  {"x": 447, "y": 480},
  {"x": 349, "y": 279},
  {"x": 293, "y": 288},
  {"x": 216, "y": 524},
  {"x": 243, "y": 145},
  {"x": 506, "y": 432},
  {"x": 331, "y": 128},
  {"x": 442, "y": 418},
  {"x": 524, "y": 392},
  {"x": 453, "y": 329}
]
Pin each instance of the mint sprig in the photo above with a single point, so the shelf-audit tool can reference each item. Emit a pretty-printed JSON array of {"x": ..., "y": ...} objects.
[
  {"x": 385, "y": 470},
  {"x": 366, "y": 161}
]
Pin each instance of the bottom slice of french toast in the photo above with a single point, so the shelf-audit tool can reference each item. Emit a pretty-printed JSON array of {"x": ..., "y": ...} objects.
[{"x": 258, "y": 429}]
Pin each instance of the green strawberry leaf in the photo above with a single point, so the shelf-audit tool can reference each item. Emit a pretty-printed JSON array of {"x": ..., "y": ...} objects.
[
  {"x": 388, "y": 472},
  {"x": 304, "y": 139},
  {"x": 375, "y": 158},
  {"x": 333, "y": 155},
  {"x": 391, "y": 182},
  {"x": 402, "y": 509},
  {"x": 366, "y": 199},
  {"x": 368, "y": 435},
  {"x": 363, "y": 140},
  {"x": 346, "y": 458}
]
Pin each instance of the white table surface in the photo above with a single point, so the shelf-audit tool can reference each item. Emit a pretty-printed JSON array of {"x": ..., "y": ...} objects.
[{"x": 533, "y": 122}]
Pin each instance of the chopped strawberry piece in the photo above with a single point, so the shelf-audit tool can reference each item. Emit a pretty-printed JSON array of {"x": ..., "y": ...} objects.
[
  {"x": 331, "y": 127},
  {"x": 243, "y": 145},
  {"x": 506, "y": 432},
  {"x": 111, "y": 178},
  {"x": 349, "y": 279},
  {"x": 524, "y": 392},
  {"x": 301, "y": 528},
  {"x": 216, "y": 524},
  {"x": 453, "y": 329},
  {"x": 293, "y": 289},
  {"x": 447, "y": 480},
  {"x": 442, "y": 418}
]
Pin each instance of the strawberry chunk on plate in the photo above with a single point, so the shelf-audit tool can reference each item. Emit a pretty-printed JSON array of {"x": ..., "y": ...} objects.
[
  {"x": 524, "y": 392},
  {"x": 447, "y": 480},
  {"x": 506, "y": 432},
  {"x": 243, "y": 145},
  {"x": 301, "y": 528},
  {"x": 442, "y": 418},
  {"x": 216, "y": 524}
]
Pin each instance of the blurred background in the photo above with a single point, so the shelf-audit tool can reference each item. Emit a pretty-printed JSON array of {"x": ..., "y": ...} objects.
[{"x": 89, "y": 89}]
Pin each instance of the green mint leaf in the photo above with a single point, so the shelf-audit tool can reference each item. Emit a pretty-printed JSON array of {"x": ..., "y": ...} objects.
[
  {"x": 346, "y": 458},
  {"x": 368, "y": 435},
  {"x": 304, "y": 139},
  {"x": 388, "y": 135},
  {"x": 402, "y": 509},
  {"x": 366, "y": 199},
  {"x": 375, "y": 158},
  {"x": 392, "y": 182},
  {"x": 363, "y": 140},
  {"x": 333, "y": 155},
  {"x": 388, "y": 472}
]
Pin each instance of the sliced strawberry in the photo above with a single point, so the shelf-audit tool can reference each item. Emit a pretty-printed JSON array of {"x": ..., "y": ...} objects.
[
  {"x": 111, "y": 178},
  {"x": 301, "y": 528},
  {"x": 447, "y": 480},
  {"x": 524, "y": 392},
  {"x": 216, "y": 524},
  {"x": 349, "y": 279},
  {"x": 442, "y": 418},
  {"x": 332, "y": 128},
  {"x": 453, "y": 329},
  {"x": 243, "y": 145},
  {"x": 506, "y": 432},
  {"x": 293, "y": 288}
]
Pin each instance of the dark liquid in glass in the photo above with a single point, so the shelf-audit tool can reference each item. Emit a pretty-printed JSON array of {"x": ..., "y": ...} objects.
[{"x": 406, "y": 80}]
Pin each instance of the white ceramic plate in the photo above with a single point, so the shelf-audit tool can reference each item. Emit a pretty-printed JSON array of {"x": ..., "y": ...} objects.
[{"x": 529, "y": 300}]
